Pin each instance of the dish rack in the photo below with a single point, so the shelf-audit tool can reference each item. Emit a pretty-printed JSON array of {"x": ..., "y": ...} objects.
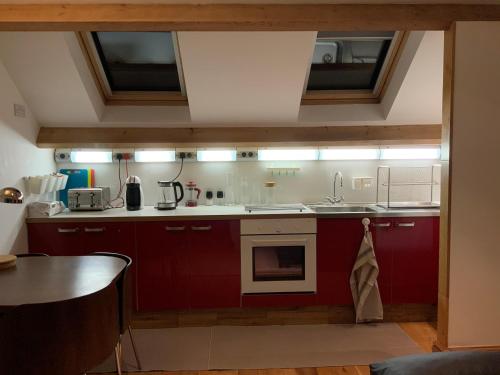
[{"x": 409, "y": 187}]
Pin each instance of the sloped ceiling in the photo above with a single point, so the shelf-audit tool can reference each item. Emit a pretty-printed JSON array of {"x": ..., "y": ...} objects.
[
  {"x": 233, "y": 79},
  {"x": 50, "y": 71},
  {"x": 245, "y": 76}
]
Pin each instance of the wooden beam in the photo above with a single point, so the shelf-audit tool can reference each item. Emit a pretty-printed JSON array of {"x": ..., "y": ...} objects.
[
  {"x": 445, "y": 222},
  {"x": 240, "y": 17},
  {"x": 261, "y": 136}
]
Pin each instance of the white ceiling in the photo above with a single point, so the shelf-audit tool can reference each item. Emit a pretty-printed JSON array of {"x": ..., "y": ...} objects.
[{"x": 243, "y": 78}]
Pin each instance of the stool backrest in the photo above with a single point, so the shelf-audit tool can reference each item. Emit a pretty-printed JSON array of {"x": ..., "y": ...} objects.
[
  {"x": 26, "y": 255},
  {"x": 124, "y": 287}
]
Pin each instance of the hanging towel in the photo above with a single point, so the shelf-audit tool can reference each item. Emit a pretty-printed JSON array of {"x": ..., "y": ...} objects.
[{"x": 363, "y": 281}]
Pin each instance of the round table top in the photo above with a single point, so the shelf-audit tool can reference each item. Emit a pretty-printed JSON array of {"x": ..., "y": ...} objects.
[{"x": 37, "y": 280}]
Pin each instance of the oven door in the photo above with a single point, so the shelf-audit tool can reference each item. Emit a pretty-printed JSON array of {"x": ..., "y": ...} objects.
[{"x": 278, "y": 263}]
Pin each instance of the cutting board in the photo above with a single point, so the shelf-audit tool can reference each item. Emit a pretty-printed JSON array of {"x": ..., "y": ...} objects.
[{"x": 7, "y": 261}]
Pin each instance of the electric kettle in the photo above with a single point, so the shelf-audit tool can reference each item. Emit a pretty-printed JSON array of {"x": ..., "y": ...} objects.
[{"x": 170, "y": 193}]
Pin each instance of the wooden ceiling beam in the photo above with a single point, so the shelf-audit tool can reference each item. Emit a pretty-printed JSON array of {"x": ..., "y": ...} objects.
[
  {"x": 241, "y": 17},
  {"x": 258, "y": 136}
]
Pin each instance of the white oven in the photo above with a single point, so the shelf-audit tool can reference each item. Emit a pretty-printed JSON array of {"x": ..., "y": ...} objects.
[{"x": 278, "y": 255}]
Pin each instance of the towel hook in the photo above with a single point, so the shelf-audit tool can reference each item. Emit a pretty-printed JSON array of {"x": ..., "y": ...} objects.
[{"x": 366, "y": 224}]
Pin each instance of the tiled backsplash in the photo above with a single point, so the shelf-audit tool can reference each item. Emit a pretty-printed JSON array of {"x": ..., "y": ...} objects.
[{"x": 310, "y": 184}]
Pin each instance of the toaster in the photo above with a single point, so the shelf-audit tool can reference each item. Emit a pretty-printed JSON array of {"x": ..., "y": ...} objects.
[{"x": 89, "y": 199}]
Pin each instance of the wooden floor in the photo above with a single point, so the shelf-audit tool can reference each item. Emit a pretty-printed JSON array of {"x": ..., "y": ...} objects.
[{"x": 423, "y": 333}]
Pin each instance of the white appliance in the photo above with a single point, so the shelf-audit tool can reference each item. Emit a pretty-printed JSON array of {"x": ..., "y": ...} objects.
[{"x": 278, "y": 255}]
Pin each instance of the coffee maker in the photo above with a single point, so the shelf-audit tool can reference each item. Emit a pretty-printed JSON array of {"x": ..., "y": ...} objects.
[
  {"x": 134, "y": 195},
  {"x": 193, "y": 194}
]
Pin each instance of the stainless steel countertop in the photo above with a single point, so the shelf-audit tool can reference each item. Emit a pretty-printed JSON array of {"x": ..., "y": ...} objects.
[{"x": 376, "y": 211}]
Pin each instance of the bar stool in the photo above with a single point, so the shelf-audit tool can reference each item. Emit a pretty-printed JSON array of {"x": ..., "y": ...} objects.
[{"x": 123, "y": 286}]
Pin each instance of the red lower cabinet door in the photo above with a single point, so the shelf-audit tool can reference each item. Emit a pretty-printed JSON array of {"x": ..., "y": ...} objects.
[
  {"x": 416, "y": 260},
  {"x": 338, "y": 242},
  {"x": 56, "y": 239},
  {"x": 214, "y": 263},
  {"x": 114, "y": 238},
  {"x": 382, "y": 233},
  {"x": 162, "y": 273}
]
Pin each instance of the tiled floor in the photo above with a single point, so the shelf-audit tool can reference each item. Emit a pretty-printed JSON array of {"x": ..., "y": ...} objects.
[{"x": 239, "y": 347}]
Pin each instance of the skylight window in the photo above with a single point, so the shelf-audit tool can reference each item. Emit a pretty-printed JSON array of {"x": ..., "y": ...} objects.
[
  {"x": 351, "y": 62},
  {"x": 136, "y": 66}
]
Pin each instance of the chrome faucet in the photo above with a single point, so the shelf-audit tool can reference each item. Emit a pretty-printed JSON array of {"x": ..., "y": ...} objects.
[{"x": 340, "y": 198}]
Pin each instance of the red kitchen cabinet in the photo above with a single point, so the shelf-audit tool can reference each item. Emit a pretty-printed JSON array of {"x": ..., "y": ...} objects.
[
  {"x": 416, "y": 260},
  {"x": 83, "y": 239},
  {"x": 163, "y": 268},
  {"x": 214, "y": 264},
  {"x": 383, "y": 242},
  {"x": 56, "y": 239},
  {"x": 338, "y": 242},
  {"x": 407, "y": 251}
]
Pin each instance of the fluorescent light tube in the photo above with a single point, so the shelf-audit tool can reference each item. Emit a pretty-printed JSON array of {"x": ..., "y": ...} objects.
[
  {"x": 216, "y": 155},
  {"x": 288, "y": 154},
  {"x": 154, "y": 156},
  {"x": 410, "y": 153},
  {"x": 91, "y": 156},
  {"x": 349, "y": 154}
]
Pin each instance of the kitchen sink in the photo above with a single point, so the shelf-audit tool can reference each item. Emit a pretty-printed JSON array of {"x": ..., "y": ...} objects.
[{"x": 333, "y": 209}]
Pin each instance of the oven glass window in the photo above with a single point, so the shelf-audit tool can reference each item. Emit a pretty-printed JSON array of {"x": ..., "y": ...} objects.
[{"x": 278, "y": 263}]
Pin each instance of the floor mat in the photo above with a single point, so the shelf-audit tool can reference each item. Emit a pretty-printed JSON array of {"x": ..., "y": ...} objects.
[{"x": 256, "y": 347}]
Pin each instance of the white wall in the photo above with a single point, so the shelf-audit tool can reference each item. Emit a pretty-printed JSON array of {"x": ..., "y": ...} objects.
[
  {"x": 474, "y": 303},
  {"x": 19, "y": 157},
  {"x": 51, "y": 73},
  {"x": 311, "y": 184}
]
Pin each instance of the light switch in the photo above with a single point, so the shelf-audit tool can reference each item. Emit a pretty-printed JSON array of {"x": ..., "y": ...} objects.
[{"x": 19, "y": 110}]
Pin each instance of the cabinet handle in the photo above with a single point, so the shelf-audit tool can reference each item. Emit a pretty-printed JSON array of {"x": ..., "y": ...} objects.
[
  {"x": 407, "y": 225},
  {"x": 94, "y": 230},
  {"x": 381, "y": 225},
  {"x": 174, "y": 229},
  {"x": 68, "y": 230},
  {"x": 201, "y": 229}
]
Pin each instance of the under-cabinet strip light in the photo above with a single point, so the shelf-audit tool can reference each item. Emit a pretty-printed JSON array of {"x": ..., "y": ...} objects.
[
  {"x": 349, "y": 154},
  {"x": 154, "y": 156},
  {"x": 288, "y": 154},
  {"x": 410, "y": 153},
  {"x": 216, "y": 155},
  {"x": 91, "y": 156}
]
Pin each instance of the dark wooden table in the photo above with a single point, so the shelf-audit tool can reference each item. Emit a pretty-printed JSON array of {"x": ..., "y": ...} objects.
[{"x": 58, "y": 315}]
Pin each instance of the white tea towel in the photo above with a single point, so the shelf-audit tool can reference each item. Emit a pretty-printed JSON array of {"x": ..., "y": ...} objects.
[{"x": 363, "y": 282}]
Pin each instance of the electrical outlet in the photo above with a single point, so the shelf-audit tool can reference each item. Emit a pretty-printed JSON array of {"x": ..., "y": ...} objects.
[
  {"x": 247, "y": 155},
  {"x": 19, "y": 110},
  {"x": 123, "y": 155},
  {"x": 188, "y": 154},
  {"x": 62, "y": 155}
]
